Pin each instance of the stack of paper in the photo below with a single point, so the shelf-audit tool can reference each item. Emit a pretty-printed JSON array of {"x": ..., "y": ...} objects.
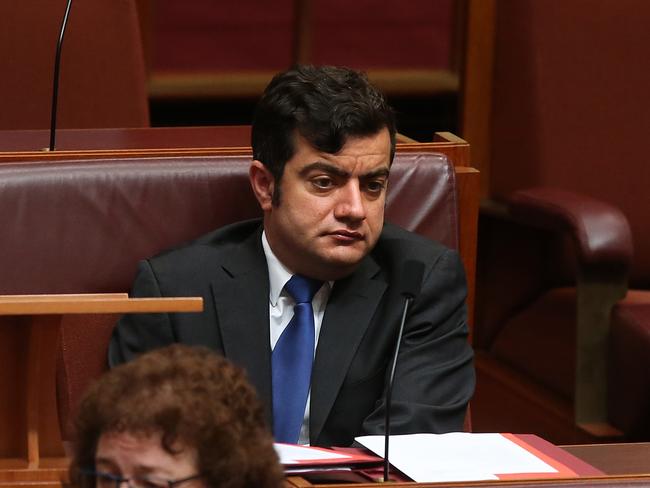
[{"x": 467, "y": 457}]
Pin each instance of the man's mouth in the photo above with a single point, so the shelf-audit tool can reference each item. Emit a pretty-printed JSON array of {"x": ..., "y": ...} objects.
[{"x": 346, "y": 235}]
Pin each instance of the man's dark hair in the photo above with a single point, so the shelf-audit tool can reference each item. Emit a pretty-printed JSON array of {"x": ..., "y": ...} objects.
[
  {"x": 194, "y": 399},
  {"x": 326, "y": 105}
]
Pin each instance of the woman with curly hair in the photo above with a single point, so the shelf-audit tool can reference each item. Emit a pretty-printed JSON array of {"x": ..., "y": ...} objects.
[{"x": 176, "y": 416}]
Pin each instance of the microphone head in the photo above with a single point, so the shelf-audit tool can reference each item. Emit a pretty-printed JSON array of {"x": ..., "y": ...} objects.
[{"x": 410, "y": 280}]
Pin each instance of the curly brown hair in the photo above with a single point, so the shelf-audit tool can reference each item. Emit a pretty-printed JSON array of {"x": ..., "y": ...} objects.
[{"x": 192, "y": 397}]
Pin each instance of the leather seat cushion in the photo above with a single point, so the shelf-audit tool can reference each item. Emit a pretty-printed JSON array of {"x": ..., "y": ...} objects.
[{"x": 540, "y": 341}]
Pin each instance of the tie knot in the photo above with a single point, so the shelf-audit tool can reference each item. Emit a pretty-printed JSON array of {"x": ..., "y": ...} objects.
[{"x": 302, "y": 289}]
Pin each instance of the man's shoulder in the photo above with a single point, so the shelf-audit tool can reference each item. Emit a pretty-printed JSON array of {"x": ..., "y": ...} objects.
[
  {"x": 400, "y": 243},
  {"x": 215, "y": 243}
]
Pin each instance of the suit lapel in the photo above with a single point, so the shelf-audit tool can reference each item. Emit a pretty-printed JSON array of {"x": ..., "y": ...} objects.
[
  {"x": 350, "y": 308},
  {"x": 242, "y": 302}
]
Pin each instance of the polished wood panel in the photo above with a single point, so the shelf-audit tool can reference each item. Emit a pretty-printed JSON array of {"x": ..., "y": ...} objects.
[
  {"x": 29, "y": 389},
  {"x": 615, "y": 459},
  {"x": 468, "y": 185},
  {"x": 124, "y": 139},
  {"x": 476, "y": 90},
  {"x": 25, "y": 145},
  {"x": 623, "y": 481},
  {"x": 468, "y": 182},
  {"x": 626, "y": 465},
  {"x": 67, "y": 304}
]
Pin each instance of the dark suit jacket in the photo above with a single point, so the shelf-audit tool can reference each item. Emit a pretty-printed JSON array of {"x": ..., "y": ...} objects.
[{"x": 434, "y": 377}]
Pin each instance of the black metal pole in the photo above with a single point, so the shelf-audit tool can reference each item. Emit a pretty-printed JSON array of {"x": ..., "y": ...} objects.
[
  {"x": 57, "y": 65},
  {"x": 389, "y": 390}
]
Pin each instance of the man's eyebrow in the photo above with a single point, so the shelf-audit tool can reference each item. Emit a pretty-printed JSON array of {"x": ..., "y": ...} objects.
[
  {"x": 335, "y": 170},
  {"x": 326, "y": 167},
  {"x": 381, "y": 172}
]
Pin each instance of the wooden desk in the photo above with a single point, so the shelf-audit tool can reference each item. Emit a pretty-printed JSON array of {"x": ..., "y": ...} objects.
[
  {"x": 615, "y": 459},
  {"x": 626, "y": 465},
  {"x": 28, "y": 413},
  {"x": 125, "y": 139}
]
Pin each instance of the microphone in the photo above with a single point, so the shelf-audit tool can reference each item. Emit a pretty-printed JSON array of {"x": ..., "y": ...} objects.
[
  {"x": 408, "y": 284},
  {"x": 57, "y": 63}
]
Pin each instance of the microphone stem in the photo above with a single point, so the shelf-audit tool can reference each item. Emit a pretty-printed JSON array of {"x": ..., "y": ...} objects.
[
  {"x": 55, "y": 87},
  {"x": 389, "y": 389}
]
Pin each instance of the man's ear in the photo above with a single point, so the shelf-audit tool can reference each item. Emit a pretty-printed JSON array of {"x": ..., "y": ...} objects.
[{"x": 263, "y": 184}]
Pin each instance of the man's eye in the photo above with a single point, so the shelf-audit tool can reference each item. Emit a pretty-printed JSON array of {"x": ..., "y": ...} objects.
[
  {"x": 322, "y": 182},
  {"x": 375, "y": 186}
]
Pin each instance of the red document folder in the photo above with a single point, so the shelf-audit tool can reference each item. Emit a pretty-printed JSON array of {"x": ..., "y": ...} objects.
[
  {"x": 302, "y": 458},
  {"x": 567, "y": 465}
]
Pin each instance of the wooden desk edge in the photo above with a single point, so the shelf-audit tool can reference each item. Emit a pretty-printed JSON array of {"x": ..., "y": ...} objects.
[
  {"x": 15, "y": 473},
  {"x": 601, "y": 481},
  {"x": 80, "y": 304}
]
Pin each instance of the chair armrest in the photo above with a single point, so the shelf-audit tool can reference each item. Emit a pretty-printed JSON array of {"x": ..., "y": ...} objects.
[
  {"x": 601, "y": 231},
  {"x": 603, "y": 247},
  {"x": 603, "y": 241}
]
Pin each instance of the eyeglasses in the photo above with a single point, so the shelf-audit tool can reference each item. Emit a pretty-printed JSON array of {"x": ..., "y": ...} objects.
[{"x": 108, "y": 480}]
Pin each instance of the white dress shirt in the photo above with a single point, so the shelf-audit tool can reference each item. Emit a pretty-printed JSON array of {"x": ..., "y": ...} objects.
[{"x": 281, "y": 311}]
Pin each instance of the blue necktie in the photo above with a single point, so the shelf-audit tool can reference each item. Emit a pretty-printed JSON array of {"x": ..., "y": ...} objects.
[{"x": 292, "y": 359}]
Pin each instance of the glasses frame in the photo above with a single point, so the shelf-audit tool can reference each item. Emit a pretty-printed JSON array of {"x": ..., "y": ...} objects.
[{"x": 118, "y": 480}]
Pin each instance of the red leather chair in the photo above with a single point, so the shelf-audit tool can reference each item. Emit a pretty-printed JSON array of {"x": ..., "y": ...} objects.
[
  {"x": 551, "y": 266},
  {"x": 81, "y": 226},
  {"x": 569, "y": 233}
]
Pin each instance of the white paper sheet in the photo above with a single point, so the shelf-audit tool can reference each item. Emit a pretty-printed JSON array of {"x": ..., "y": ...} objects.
[{"x": 456, "y": 456}]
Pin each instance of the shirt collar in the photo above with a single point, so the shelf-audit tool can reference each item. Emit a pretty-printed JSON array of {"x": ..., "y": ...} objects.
[{"x": 278, "y": 273}]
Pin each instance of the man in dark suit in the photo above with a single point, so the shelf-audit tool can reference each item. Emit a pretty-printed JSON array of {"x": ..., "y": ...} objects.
[{"x": 305, "y": 300}]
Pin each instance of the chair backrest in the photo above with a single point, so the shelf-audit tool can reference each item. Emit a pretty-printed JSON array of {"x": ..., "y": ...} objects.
[
  {"x": 81, "y": 227},
  {"x": 102, "y": 82}
]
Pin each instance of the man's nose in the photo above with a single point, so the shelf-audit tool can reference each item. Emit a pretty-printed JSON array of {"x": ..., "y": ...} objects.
[{"x": 351, "y": 204}]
